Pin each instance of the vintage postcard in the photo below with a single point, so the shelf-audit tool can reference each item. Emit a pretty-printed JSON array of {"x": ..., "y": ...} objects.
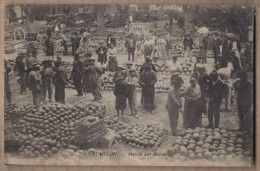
[{"x": 129, "y": 85}]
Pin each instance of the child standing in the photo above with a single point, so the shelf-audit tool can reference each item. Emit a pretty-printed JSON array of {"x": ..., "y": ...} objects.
[
  {"x": 120, "y": 92},
  {"x": 132, "y": 82}
]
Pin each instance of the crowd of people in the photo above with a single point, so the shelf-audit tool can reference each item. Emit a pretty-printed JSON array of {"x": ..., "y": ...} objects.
[{"x": 202, "y": 97}]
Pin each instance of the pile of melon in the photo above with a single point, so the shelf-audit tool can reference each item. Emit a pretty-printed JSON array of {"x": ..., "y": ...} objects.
[
  {"x": 211, "y": 144},
  {"x": 142, "y": 136},
  {"x": 112, "y": 122},
  {"x": 44, "y": 132},
  {"x": 186, "y": 68},
  {"x": 107, "y": 81},
  {"x": 14, "y": 110}
]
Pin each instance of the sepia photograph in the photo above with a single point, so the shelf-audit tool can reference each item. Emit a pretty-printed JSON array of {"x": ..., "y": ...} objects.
[{"x": 129, "y": 85}]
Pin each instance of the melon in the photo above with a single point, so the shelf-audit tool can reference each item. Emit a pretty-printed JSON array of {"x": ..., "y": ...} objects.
[
  {"x": 196, "y": 136},
  {"x": 214, "y": 158},
  {"x": 207, "y": 155},
  {"x": 192, "y": 156},
  {"x": 221, "y": 157}
]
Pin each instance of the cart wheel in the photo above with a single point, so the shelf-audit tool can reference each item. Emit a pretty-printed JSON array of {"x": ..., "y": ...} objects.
[{"x": 19, "y": 33}]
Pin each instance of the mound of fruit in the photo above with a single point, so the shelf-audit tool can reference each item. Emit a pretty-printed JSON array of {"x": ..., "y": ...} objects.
[
  {"x": 12, "y": 137},
  {"x": 112, "y": 122},
  {"x": 211, "y": 144},
  {"x": 93, "y": 109},
  {"x": 46, "y": 131},
  {"x": 142, "y": 136},
  {"x": 107, "y": 82},
  {"x": 15, "y": 111}
]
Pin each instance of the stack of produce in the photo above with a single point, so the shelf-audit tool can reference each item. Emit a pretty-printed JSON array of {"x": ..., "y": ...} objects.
[
  {"x": 12, "y": 137},
  {"x": 211, "y": 144},
  {"x": 15, "y": 111},
  {"x": 92, "y": 109},
  {"x": 163, "y": 83},
  {"x": 88, "y": 129},
  {"x": 44, "y": 132},
  {"x": 142, "y": 136},
  {"x": 187, "y": 68},
  {"x": 107, "y": 82},
  {"x": 176, "y": 50},
  {"x": 112, "y": 122}
]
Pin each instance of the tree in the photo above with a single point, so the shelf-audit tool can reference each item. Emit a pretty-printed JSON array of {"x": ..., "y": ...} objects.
[{"x": 100, "y": 15}]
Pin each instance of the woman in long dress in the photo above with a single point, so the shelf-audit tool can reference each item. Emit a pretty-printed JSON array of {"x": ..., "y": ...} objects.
[
  {"x": 112, "y": 62},
  {"x": 192, "y": 108},
  {"x": 161, "y": 44},
  {"x": 148, "y": 46},
  {"x": 147, "y": 81}
]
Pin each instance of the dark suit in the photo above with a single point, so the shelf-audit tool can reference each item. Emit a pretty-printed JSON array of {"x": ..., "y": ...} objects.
[
  {"x": 187, "y": 43},
  {"x": 102, "y": 57},
  {"x": 216, "y": 48},
  {"x": 226, "y": 49},
  {"x": 216, "y": 93},
  {"x": 112, "y": 41},
  {"x": 77, "y": 71}
]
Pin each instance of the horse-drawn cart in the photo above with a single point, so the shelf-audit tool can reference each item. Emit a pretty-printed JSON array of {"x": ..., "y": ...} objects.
[{"x": 24, "y": 32}]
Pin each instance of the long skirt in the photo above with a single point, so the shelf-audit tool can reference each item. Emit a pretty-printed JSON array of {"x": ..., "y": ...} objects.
[
  {"x": 60, "y": 94},
  {"x": 112, "y": 64},
  {"x": 163, "y": 52},
  {"x": 148, "y": 98},
  {"x": 120, "y": 102},
  {"x": 192, "y": 114}
]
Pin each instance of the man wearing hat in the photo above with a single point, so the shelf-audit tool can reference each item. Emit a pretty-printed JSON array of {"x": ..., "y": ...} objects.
[
  {"x": 227, "y": 47},
  {"x": 49, "y": 47},
  {"x": 20, "y": 67},
  {"x": 47, "y": 79},
  {"x": 216, "y": 46},
  {"x": 132, "y": 81},
  {"x": 174, "y": 104},
  {"x": 244, "y": 89},
  {"x": 60, "y": 79},
  {"x": 94, "y": 79},
  {"x": 203, "y": 82},
  {"x": 119, "y": 73},
  {"x": 203, "y": 44},
  {"x": 130, "y": 46},
  {"x": 77, "y": 74},
  {"x": 120, "y": 91},
  {"x": 75, "y": 42},
  {"x": 216, "y": 94},
  {"x": 35, "y": 84},
  {"x": 148, "y": 61},
  {"x": 187, "y": 44},
  {"x": 128, "y": 68},
  {"x": 102, "y": 53}
]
